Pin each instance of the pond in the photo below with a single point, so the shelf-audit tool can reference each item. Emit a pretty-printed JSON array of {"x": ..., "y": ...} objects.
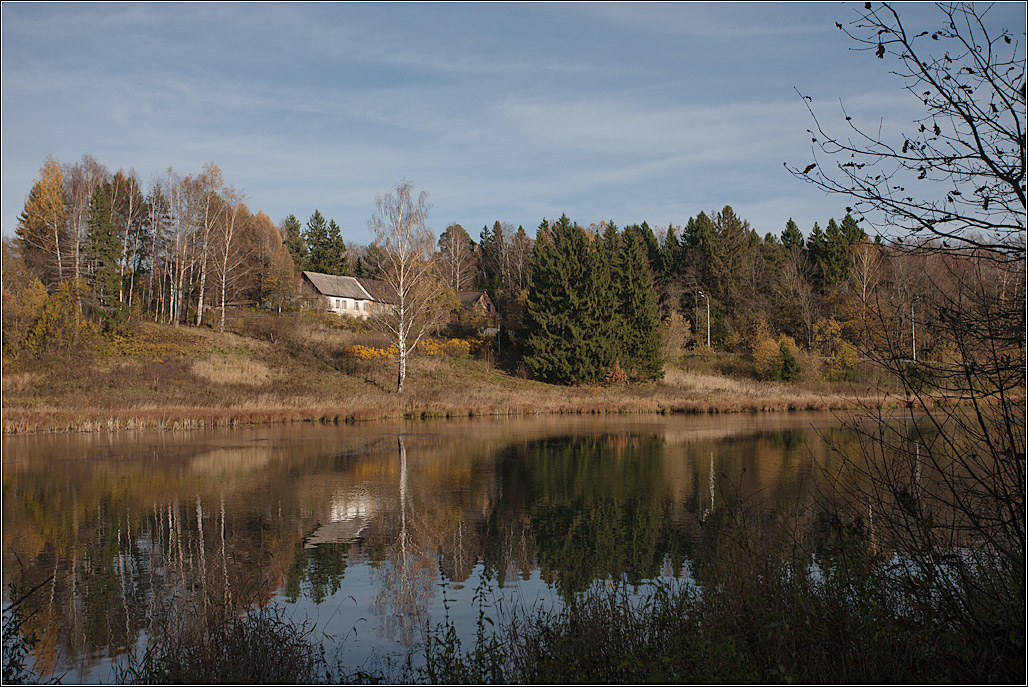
[{"x": 370, "y": 532}]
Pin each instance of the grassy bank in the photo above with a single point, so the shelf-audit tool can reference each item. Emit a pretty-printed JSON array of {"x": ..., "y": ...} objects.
[{"x": 303, "y": 369}]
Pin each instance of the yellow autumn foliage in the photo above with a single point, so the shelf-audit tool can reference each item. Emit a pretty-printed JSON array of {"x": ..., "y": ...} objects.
[{"x": 432, "y": 347}]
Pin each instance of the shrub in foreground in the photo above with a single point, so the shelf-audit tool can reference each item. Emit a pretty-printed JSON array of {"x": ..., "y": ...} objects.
[
  {"x": 262, "y": 647},
  {"x": 756, "y": 613}
]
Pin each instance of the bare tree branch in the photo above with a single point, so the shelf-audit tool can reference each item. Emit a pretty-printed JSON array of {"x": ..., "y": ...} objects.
[{"x": 960, "y": 176}]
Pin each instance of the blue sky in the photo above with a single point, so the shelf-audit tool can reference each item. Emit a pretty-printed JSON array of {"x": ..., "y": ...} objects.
[{"x": 510, "y": 112}]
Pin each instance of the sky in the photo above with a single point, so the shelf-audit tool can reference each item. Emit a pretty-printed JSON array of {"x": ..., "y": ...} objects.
[{"x": 511, "y": 112}]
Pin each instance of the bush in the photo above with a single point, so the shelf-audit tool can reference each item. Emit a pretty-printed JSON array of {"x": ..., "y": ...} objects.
[
  {"x": 843, "y": 364},
  {"x": 675, "y": 334},
  {"x": 766, "y": 353},
  {"x": 775, "y": 359},
  {"x": 60, "y": 330}
]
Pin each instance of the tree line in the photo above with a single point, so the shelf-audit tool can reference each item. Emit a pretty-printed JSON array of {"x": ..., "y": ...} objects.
[
  {"x": 175, "y": 250},
  {"x": 574, "y": 303}
]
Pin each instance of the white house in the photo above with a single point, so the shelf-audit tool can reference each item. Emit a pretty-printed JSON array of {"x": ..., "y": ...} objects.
[{"x": 353, "y": 296}]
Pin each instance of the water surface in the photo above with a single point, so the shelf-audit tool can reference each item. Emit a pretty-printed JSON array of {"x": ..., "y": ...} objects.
[{"x": 372, "y": 531}]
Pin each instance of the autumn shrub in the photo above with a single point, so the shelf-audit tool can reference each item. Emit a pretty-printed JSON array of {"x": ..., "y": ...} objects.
[
  {"x": 23, "y": 300},
  {"x": 766, "y": 354},
  {"x": 453, "y": 348},
  {"x": 60, "y": 330},
  {"x": 777, "y": 359},
  {"x": 838, "y": 355},
  {"x": 842, "y": 365},
  {"x": 675, "y": 334},
  {"x": 616, "y": 375}
]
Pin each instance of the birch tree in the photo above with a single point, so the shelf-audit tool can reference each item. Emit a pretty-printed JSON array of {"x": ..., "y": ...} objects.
[
  {"x": 80, "y": 180},
  {"x": 158, "y": 217},
  {"x": 234, "y": 212},
  {"x": 210, "y": 184},
  {"x": 181, "y": 196},
  {"x": 128, "y": 207},
  {"x": 406, "y": 264}
]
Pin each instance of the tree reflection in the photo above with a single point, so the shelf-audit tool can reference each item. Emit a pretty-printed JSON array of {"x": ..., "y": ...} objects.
[
  {"x": 592, "y": 508},
  {"x": 126, "y": 549},
  {"x": 410, "y": 570}
]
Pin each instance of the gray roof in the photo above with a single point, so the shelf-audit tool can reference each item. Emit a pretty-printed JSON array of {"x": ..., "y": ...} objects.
[
  {"x": 339, "y": 287},
  {"x": 379, "y": 290}
]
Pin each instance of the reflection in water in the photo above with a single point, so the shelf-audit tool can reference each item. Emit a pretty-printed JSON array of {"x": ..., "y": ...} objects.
[
  {"x": 409, "y": 572},
  {"x": 127, "y": 538}
]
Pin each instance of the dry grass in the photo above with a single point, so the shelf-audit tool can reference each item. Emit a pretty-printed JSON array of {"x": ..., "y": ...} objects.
[
  {"x": 14, "y": 383},
  {"x": 185, "y": 378},
  {"x": 219, "y": 369}
]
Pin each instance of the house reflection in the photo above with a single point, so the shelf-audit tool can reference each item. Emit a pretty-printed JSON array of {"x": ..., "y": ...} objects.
[{"x": 349, "y": 514}]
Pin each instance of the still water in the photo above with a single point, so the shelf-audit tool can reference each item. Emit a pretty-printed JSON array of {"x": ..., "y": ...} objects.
[{"x": 370, "y": 532}]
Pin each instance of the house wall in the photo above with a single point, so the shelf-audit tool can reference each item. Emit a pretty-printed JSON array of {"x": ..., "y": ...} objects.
[{"x": 349, "y": 306}]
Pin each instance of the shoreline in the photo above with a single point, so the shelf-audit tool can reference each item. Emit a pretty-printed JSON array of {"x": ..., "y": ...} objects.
[
  {"x": 164, "y": 378},
  {"x": 19, "y": 421}
]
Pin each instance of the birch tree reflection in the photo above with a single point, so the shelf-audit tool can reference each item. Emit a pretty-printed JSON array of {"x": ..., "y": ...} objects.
[{"x": 410, "y": 570}]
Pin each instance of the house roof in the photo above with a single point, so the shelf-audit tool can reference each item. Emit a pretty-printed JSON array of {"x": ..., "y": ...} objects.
[
  {"x": 379, "y": 290},
  {"x": 339, "y": 287},
  {"x": 469, "y": 298}
]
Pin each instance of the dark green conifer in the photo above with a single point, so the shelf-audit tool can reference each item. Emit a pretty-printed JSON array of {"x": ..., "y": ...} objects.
[
  {"x": 316, "y": 238},
  {"x": 292, "y": 230},
  {"x": 792, "y": 237},
  {"x": 636, "y": 329},
  {"x": 854, "y": 234},
  {"x": 834, "y": 265},
  {"x": 566, "y": 333},
  {"x": 103, "y": 251}
]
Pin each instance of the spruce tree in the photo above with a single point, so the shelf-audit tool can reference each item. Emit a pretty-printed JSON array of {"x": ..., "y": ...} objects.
[
  {"x": 834, "y": 265},
  {"x": 292, "y": 229},
  {"x": 817, "y": 250},
  {"x": 792, "y": 237},
  {"x": 851, "y": 230},
  {"x": 319, "y": 258},
  {"x": 337, "y": 261},
  {"x": 669, "y": 254},
  {"x": 636, "y": 323},
  {"x": 649, "y": 241},
  {"x": 103, "y": 252},
  {"x": 567, "y": 336}
]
